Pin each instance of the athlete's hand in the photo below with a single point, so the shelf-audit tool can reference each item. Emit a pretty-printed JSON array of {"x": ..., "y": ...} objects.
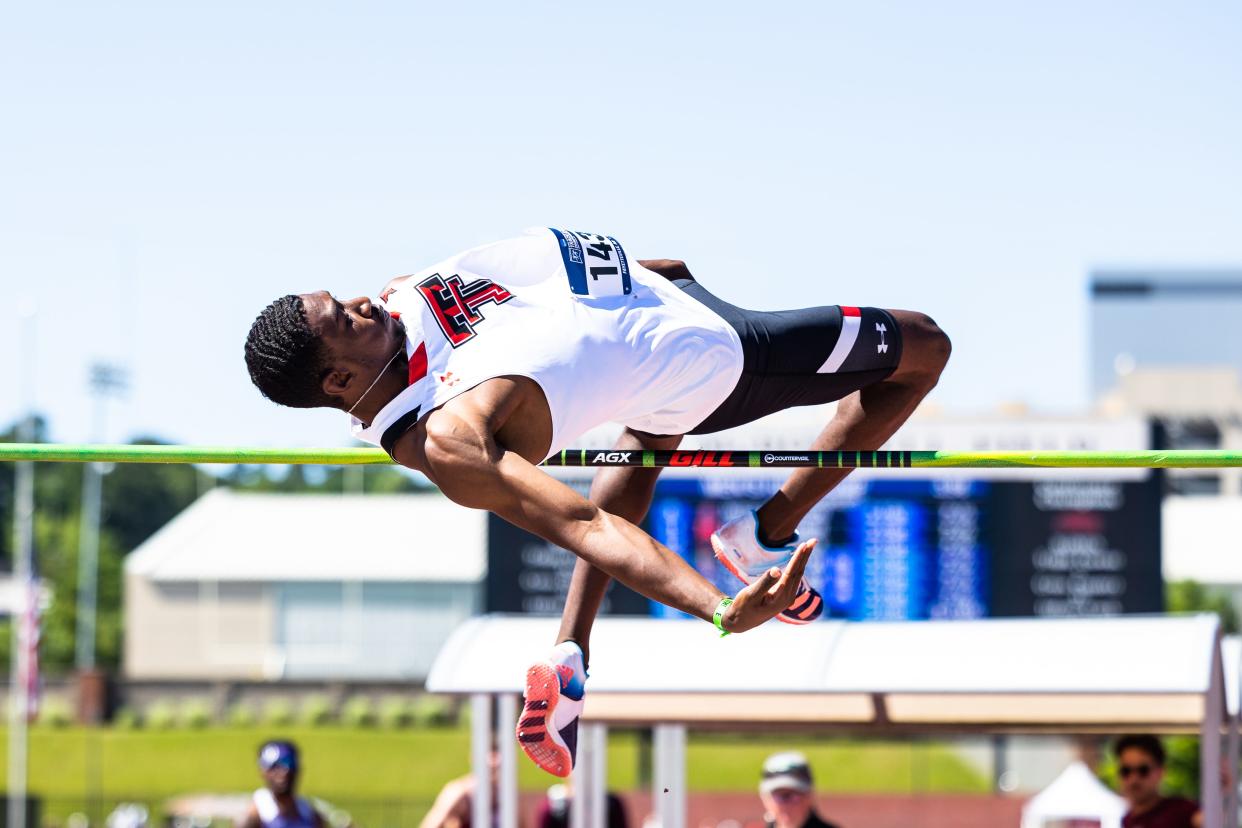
[{"x": 769, "y": 594}]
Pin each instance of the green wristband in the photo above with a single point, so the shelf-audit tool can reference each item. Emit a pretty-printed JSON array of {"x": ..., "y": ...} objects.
[{"x": 716, "y": 619}]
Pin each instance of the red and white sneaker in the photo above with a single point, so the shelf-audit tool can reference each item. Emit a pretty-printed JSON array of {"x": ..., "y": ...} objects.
[
  {"x": 738, "y": 547},
  {"x": 548, "y": 727}
]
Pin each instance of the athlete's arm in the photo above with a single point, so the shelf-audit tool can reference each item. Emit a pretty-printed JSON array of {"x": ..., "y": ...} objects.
[{"x": 461, "y": 456}]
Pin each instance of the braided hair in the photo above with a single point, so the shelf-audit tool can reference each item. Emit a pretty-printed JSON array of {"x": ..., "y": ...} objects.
[{"x": 285, "y": 357}]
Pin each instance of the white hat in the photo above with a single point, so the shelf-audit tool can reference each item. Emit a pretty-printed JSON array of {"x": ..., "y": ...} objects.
[{"x": 785, "y": 771}]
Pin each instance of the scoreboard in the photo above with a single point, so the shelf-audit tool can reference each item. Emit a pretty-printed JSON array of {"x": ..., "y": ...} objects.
[{"x": 898, "y": 549}]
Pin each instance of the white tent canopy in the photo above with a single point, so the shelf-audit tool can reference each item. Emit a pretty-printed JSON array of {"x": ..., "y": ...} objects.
[
  {"x": 1074, "y": 795},
  {"x": 1020, "y": 675}
]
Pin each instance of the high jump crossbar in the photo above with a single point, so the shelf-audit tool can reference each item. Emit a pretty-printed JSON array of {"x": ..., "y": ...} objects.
[{"x": 602, "y": 458}]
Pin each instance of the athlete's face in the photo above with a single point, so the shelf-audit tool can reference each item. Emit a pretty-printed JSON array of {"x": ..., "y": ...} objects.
[{"x": 358, "y": 337}]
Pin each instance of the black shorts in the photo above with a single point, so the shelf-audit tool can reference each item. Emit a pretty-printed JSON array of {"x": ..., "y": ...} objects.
[{"x": 800, "y": 357}]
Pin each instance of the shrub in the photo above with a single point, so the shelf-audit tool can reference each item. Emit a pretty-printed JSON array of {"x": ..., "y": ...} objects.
[
  {"x": 396, "y": 713},
  {"x": 127, "y": 718},
  {"x": 240, "y": 715},
  {"x": 316, "y": 711},
  {"x": 278, "y": 713},
  {"x": 161, "y": 715},
  {"x": 432, "y": 711},
  {"x": 55, "y": 712},
  {"x": 358, "y": 712},
  {"x": 196, "y": 714}
]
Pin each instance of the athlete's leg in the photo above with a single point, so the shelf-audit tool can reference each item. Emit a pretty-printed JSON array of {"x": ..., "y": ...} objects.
[
  {"x": 627, "y": 493},
  {"x": 864, "y": 420},
  {"x": 555, "y": 690}
]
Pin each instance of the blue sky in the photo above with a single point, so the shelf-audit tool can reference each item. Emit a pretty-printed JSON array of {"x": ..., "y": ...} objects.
[{"x": 169, "y": 168}]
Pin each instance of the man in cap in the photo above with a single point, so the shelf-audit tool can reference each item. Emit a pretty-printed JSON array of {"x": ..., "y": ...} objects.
[
  {"x": 788, "y": 794},
  {"x": 276, "y": 805},
  {"x": 1140, "y": 769}
]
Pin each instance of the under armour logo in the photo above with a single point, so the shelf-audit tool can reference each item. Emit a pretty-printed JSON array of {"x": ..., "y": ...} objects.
[
  {"x": 448, "y": 379},
  {"x": 882, "y": 348}
]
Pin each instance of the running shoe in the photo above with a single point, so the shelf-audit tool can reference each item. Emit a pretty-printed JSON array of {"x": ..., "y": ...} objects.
[
  {"x": 738, "y": 547},
  {"x": 548, "y": 727}
]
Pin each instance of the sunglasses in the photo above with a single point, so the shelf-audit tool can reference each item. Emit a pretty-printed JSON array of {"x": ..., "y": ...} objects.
[
  {"x": 787, "y": 794},
  {"x": 1126, "y": 771},
  {"x": 284, "y": 763}
]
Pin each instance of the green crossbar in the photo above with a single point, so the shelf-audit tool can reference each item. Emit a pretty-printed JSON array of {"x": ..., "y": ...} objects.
[{"x": 599, "y": 458}]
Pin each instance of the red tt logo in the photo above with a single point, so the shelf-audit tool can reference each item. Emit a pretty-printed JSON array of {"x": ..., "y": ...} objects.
[{"x": 455, "y": 305}]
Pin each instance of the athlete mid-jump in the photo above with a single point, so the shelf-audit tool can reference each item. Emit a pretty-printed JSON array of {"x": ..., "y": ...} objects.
[{"x": 476, "y": 369}]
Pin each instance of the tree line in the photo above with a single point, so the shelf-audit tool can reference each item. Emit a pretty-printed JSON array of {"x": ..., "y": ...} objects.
[{"x": 138, "y": 499}]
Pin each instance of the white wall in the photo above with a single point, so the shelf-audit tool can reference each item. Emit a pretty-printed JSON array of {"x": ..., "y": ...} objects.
[
  {"x": 366, "y": 631},
  {"x": 268, "y": 631}
]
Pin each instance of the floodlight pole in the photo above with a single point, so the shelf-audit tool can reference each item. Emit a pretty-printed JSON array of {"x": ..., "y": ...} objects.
[
  {"x": 105, "y": 380},
  {"x": 88, "y": 566},
  {"x": 23, "y": 555},
  {"x": 19, "y": 670}
]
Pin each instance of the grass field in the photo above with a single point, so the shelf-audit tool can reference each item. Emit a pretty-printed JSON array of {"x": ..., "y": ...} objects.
[{"x": 358, "y": 769}]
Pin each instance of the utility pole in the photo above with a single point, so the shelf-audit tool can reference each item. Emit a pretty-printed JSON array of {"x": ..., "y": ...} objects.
[
  {"x": 23, "y": 554},
  {"x": 19, "y": 670}
]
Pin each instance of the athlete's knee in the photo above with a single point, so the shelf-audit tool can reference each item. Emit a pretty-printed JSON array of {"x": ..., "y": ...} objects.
[
  {"x": 670, "y": 269},
  {"x": 936, "y": 342},
  {"x": 926, "y": 348}
]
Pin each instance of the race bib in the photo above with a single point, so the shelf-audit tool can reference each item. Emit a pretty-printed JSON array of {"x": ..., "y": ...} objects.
[{"x": 595, "y": 265}]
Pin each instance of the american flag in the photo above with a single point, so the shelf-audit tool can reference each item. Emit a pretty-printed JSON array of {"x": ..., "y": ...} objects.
[{"x": 30, "y": 633}]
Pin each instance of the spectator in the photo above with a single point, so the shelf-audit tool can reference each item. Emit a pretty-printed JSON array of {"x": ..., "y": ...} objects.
[
  {"x": 1140, "y": 768},
  {"x": 554, "y": 810},
  {"x": 788, "y": 793},
  {"x": 276, "y": 804},
  {"x": 452, "y": 808}
]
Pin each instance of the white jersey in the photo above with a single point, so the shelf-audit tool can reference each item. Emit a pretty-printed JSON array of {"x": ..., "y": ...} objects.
[{"x": 606, "y": 339}]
